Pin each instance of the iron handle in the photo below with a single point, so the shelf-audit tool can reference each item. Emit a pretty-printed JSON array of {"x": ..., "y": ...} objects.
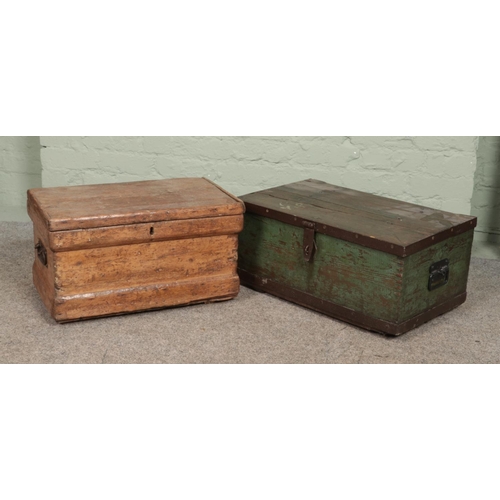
[
  {"x": 438, "y": 274},
  {"x": 41, "y": 253}
]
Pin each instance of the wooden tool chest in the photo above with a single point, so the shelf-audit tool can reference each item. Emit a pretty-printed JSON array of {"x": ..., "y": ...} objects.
[
  {"x": 378, "y": 263},
  {"x": 107, "y": 249}
]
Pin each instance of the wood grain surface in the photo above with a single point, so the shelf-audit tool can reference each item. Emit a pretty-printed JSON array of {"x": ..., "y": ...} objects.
[
  {"x": 149, "y": 232},
  {"x": 43, "y": 276},
  {"x": 373, "y": 217},
  {"x": 100, "y": 205},
  {"x": 125, "y": 266},
  {"x": 129, "y": 247},
  {"x": 364, "y": 286},
  {"x": 341, "y": 272},
  {"x": 143, "y": 298},
  {"x": 415, "y": 297}
]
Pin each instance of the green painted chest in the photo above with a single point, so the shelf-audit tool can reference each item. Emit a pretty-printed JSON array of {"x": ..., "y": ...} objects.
[{"x": 379, "y": 263}]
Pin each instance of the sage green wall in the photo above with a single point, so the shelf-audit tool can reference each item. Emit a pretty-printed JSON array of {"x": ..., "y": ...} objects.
[
  {"x": 433, "y": 171},
  {"x": 20, "y": 170},
  {"x": 486, "y": 196}
]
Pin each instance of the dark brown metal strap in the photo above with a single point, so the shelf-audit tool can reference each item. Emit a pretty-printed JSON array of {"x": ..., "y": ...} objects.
[
  {"x": 360, "y": 239},
  {"x": 344, "y": 313},
  {"x": 309, "y": 244}
]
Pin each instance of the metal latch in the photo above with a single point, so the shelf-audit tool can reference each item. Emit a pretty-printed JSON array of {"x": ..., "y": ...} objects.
[
  {"x": 438, "y": 274},
  {"x": 41, "y": 252},
  {"x": 309, "y": 245}
]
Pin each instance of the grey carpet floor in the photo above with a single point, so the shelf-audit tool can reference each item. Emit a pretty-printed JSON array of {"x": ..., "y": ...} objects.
[{"x": 252, "y": 328}]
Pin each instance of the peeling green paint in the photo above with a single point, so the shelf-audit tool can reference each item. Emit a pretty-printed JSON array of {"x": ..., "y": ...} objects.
[
  {"x": 369, "y": 281},
  {"x": 347, "y": 274},
  {"x": 415, "y": 296}
]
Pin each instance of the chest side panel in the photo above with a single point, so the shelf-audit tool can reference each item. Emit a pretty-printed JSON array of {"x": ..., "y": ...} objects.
[
  {"x": 43, "y": 264},
  {"x": 359, "y": 278},
  {"x": 416, "y": 296}
]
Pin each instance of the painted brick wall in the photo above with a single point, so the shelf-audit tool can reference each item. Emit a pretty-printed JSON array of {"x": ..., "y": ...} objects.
[
  {"x": 20, "y": 169},
  {"x": 433, "y": 171},
  {"x": 486, "y": 197}
]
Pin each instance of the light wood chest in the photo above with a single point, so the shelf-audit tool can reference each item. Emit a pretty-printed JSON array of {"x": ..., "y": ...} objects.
[{"x": 108, "y": 249}]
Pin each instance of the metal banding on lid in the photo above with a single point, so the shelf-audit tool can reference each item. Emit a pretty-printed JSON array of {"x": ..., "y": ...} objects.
[{"x": 384, "y": 224}]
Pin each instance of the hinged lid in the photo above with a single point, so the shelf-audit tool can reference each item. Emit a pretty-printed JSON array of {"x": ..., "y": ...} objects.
[
  {"x": 385, "y": 224},
  {"x": 102, "y": 205}
]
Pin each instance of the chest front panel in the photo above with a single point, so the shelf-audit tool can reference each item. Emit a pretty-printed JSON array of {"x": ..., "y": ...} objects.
[{"x": 359, "y": 278}]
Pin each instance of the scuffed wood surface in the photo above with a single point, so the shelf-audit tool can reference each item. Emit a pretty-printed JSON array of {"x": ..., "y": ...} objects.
[
  {"x": 362, "y": 279},
  {"x": 128, "y": 247},
  {"x": 43, "y": 276},
  {"x": 101, "y": 205},
  {"x": 370, "y": 285},
  {"x": 112, "y": 280},
  {"x": 384, "y": 219},
  {"x": 415, "y": 296},
  {"x": 144, "y": 264},
  {"x": 143, "y": 233},
  {"x": 143, "y": 298}
]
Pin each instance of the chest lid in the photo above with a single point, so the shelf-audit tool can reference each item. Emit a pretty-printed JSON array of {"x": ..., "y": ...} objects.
[
  {"x": 102, "y": 205},
  {"x": 392, "y": 226}
]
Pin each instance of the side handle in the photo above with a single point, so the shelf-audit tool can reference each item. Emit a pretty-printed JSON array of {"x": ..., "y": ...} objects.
[
  {"x": 41, "y": 253},
  {"x": 439, "y": 273}
]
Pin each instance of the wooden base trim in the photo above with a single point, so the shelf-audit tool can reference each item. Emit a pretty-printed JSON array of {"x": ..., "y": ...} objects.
[
  {"x": 139, "y": 299},
  {"x": 344, "y": 313}
]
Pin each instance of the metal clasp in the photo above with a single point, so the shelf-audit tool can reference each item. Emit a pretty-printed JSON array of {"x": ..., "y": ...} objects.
[{"x": 309, "y": 246}]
